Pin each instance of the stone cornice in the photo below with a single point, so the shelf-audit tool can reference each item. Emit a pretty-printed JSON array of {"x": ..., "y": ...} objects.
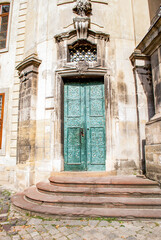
[
  {"x": 137, "y": 55},
  {"x": 155, "y": 119},
  {"x": 68, "y": 35},
  {"x": 152, "y": 39},
  {"x": 30, "y": 60}
]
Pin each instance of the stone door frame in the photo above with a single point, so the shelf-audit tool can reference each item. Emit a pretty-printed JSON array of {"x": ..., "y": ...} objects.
[{"x": 58, "y": 118}]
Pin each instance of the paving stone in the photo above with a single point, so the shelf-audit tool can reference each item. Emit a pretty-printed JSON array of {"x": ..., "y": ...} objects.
[
  {"x": 57, "y": 236},
  {"x": 93, "y": 223},
  {"x": 16, "y": 237},
  {"x": 2, "y": 233},
  {"x": 6, "y": 238},
  {"x": 63, "y": 229},
  {"x": 55, "y": 231},
  {"x": 63, "y": 238},
  {"x": 111, "y": 235},
  {"x": 3, "y": 219},
  {"x": 74, "y": 237},
  {"x": 26, "y": 237},
  {"x": 76, "y": 222},
  {"x": 7, "y": 227},
  {"x": 23, "y": 232},
  {"x": 103, "y": 224},
  {"x": 21, "y": 222},
  {"x": 46, "y": 222},
  {"x": 131, "y": 238},
  {"x": 34, "y": 234},
  {"x": 38, "y": 238},
  {"x": 31, "y": 230},
  {"x": 34, "y": 221}
]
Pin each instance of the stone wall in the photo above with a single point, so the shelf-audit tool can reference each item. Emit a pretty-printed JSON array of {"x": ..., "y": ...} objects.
[
  {"x": 150, "y": 46},
  {"x": 153, "y": 128}
]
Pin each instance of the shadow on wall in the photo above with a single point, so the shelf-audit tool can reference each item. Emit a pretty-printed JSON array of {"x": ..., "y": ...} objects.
[
  {"x": 145, "y": 78},
  {"x": 143, "y": 160},
  {"x": 146, "y": 82},
  {"x": 153, "y": 7}
]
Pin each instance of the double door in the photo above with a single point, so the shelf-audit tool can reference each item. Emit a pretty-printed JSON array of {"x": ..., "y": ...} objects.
[{"x": 84, "y": 126}]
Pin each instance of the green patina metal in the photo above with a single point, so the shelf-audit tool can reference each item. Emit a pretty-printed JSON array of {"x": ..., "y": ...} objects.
[{"x": 84, "y": 126}]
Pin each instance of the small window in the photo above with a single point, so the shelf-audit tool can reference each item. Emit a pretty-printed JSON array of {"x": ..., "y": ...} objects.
[
  {"x": 4, "y": 17},
  {"x": 1, "y": 116},
  {"x": 82, "y": 51}
]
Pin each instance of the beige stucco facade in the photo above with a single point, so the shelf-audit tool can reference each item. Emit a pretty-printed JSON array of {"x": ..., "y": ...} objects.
[{"x": 39, "y": 34}]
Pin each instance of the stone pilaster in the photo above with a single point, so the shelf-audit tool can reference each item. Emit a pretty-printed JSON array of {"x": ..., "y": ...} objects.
[
  {"x": 28, "y": 73},
  {"x": 144, "y": 98}
]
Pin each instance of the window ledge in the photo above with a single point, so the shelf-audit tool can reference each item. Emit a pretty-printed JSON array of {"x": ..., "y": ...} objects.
[{"x": 4, "y": 50}]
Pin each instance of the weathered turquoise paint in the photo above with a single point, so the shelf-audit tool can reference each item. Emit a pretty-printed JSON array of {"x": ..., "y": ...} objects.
[{"x": 84, "y": 126}]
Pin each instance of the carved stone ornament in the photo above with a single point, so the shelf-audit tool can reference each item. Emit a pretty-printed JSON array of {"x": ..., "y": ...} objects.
[
  {"x": 83, "y": 8},
  {"x": 81, "y": 25},
  {"x": 23, "y": 75},
  {"x": 82, "y": 66}
]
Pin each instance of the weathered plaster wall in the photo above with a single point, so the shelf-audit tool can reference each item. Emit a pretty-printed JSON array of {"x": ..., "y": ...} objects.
[{"x": 141, "y": 19}]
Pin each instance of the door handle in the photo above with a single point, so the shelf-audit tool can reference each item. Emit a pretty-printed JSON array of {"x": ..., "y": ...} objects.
[{"x": 81, "y": 134}]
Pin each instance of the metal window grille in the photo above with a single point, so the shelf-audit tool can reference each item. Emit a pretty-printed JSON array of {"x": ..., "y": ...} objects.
[{"x": 83, "y": 53}]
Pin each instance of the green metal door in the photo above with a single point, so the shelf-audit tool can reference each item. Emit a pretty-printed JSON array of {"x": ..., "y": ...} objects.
[{"x": 84, "y": 126}]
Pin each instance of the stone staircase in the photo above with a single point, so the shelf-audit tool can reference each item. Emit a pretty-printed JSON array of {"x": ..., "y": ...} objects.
[{"x": 96, "y": 196}]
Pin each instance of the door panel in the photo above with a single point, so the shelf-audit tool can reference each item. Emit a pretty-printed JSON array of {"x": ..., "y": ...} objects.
[
  {"x": 84, "y": 126},
  {"x": 74, "y": 143},
  {"x": 73, "y": 147},
  {"x": 95, "y": 119}
]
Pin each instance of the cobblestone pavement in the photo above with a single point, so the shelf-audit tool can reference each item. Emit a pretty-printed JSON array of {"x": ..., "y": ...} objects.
[{"x": 16, "y": 224}]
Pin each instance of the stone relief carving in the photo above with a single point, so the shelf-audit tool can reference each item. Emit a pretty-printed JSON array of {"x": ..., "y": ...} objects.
[
  {"x": 83, "y": 8},
  {"x": 82, "y": 66},
  {"x": 81, "y": 25},
  {"x": 23, "y": 75}
]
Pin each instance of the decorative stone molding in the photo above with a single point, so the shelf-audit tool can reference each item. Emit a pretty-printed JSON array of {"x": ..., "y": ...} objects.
[
  {"x": 82, "y": 67},
  {"x": 81, "y": 25},
  {"x": 137, "y": 55},
  {"x": 61, "y": 2},
  {"x": 67, "y": 39},
  {"x": 31, "y": 61},
  {"x": 83, "y": 8},
  {"x": 71, "y": 34},
  {"x": 23, "y": 76}
]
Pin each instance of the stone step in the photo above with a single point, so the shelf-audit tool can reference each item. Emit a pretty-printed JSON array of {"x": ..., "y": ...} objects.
[
  {"x": 20, "y": 201},
  {"x": 117, "y": 181},
  {"x": 131, "y": 192},
  {"x": 32, "y": 194}
]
